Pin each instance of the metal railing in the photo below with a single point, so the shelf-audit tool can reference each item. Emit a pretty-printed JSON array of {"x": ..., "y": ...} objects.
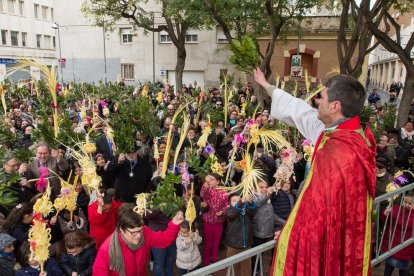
[
  {"x": 392, "y": 223},
  {"x": 231, "y": 261},
  {"x": 381, "y": 228}
]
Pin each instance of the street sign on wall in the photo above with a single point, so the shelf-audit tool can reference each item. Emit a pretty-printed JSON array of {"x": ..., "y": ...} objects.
[
  {"x": 8, "y": 61},
  {"x": 296, "y": 60},
  {"x": 296, "y": 69}
]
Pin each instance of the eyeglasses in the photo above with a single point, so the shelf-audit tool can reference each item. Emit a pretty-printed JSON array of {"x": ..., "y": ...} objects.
[
  {"x": 135, "y": 233},
  {"x": 13, "y": 165}
]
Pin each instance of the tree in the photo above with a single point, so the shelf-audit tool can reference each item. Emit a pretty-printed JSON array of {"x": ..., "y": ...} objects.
[
  {"x": 354, "y": 39},
  {"x": 179, "y": 16},
  {"x": 259, "y": 18},
  {"x": 387, "y": 31}
]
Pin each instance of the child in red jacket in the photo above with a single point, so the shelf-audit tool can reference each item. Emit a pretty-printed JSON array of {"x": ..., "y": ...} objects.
[
  {"x": 402, "y": 222},
  {"x": 102, "y": 215}
]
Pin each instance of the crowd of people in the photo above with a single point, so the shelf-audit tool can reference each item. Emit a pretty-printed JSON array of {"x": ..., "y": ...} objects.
[{"x": 105, "y": 236}]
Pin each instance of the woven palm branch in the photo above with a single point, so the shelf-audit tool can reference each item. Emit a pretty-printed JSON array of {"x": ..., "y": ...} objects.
[
  {"x": 252, "y": 175},
  {"x": 43, "y": 205},
  {"x": 49, "y": 75},
  {"x": 39, "y": 240}
]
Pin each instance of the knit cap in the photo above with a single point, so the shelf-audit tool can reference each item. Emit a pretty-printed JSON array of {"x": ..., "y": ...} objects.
[{"x": 5, "y": 240}]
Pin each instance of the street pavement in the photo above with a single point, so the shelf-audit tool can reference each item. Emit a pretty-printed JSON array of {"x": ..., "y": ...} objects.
[{"x": 385, "y": 96}]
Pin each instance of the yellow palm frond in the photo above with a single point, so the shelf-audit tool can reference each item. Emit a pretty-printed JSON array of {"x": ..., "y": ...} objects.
[
  {"x": 307, "y": 81},
  {"x": 295, "y": 90},
  {"x": 267, "y": 138},
  {"x": 49, "y": 75},
  {"x": 169, "y": 141},
  {"x": 277, "y": 80},
  {"x": 183, "y": 135},
  {"x": 334, "y": 71},
  {"x": 320, "y": 88}
]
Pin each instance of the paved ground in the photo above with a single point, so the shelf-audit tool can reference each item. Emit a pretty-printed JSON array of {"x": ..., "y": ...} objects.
[{"x": 385, "y": 96}]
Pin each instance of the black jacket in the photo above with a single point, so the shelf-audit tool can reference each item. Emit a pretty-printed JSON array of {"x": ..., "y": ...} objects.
[
  {"x": 126, "y": 186},
  {"x": 102, "y": 146},
  {"x": 239, "y": 225},
  {"x": 81, "y": 263}
]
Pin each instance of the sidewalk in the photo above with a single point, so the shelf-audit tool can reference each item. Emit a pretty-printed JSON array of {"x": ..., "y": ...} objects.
[{"x": 385, "y": 96}]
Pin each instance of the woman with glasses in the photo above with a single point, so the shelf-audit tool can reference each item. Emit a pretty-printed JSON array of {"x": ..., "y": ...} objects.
[{"x": 127, "y": 250}]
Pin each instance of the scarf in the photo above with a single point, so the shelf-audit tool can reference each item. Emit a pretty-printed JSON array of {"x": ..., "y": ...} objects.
[
  {"x": 116, "y": 259},
  {"x": 406, "y": 134}
]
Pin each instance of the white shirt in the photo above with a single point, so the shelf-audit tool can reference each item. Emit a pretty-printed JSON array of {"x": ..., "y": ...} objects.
[{"x": 296, "y": 112}]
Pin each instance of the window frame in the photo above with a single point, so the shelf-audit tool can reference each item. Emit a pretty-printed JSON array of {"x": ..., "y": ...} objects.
[
  {"x": 126, "y": 32},
  {"x": 191, "y": 41},
  {"x": 4, "y": 34},
  {"x": 16, "y": 38},
  {"x": 220, "y": 37},
  {"x": 14, "y": 6},
  {"x": 39, "y": 41},
  {"x": 164, "y": 34},
  {"x": 21, "y": 7},
  {"x": 124, "y": 73},
  {"x": 46, "y": 45},
  {"x": 24, "y": 39},
  {"x": 36, "y": 10},
  {"x": 45, "y": 13}
]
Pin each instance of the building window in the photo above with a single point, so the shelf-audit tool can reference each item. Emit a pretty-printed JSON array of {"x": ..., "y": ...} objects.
[
  {"x": 54, "y": 42},
  {"x": 21, "y": 7},
  {"x": 191, "y": 38},
  {"x": 1, "y": 6},
  {"x": 36, "y": 10},
  {"x": 126, "y": 35},
  {"x": 14, "y": 38},
  {"x": 10, "y": 5},
  {"x": 48, "y": 41},
  {"x": 52, "y": 16},
  {"x": 38, "y": 41},
  {"x": 4, "y": 37},
  {"x": 221, "y": 38},
  {"x": 127, "y": 71},
  {"x": 165, "y": 37},
  {"x": 44, "y": 12},
  {"x": 24, "y": 39}
]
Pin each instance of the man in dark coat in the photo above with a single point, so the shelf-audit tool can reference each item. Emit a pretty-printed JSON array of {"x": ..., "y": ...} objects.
[
  {"x": 132, "y": 175},
  {"x": 105, "y": 145}
]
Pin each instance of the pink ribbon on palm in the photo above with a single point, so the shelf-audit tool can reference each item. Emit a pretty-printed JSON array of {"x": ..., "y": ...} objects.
[{"x": 41, "y": 184}]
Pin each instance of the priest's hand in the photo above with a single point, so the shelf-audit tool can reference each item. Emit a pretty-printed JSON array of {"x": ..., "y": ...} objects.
[
  {"x": 277, "y": 234},
  {"x": 260, "y": 78},
  {"x": 179, "y": 217}
]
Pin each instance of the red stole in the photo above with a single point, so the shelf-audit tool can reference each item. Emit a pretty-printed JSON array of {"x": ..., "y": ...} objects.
[{"x": 329, "y": 229}]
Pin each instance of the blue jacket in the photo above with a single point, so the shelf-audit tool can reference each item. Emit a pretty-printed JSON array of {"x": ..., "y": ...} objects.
[
  {"x": 373, "y": 98},
  {"x": 51, "y": 268},
  {"x": 81, "y": 263},
  {"x": 239, "y": 225}
]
